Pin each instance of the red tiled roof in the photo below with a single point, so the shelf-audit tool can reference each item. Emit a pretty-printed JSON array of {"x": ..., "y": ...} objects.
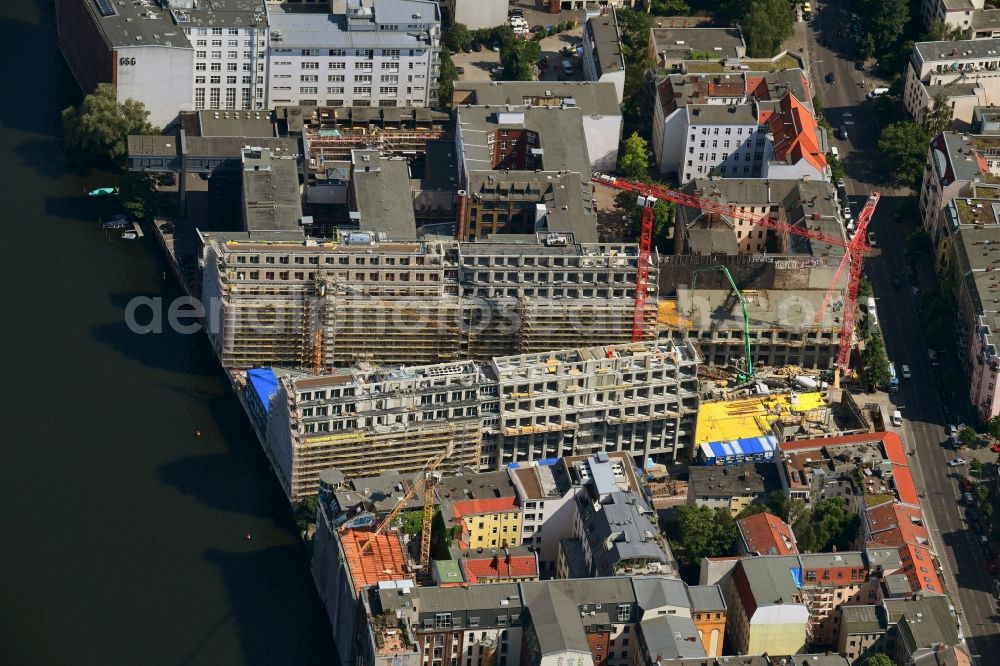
[
  {"x": 895, "y": 524},
  {"x": 515, "y": 566},
  {"x": 794, "y": 130},
  {"x": 767, "y": 534},
  {"x": 475, "y": 507},
  {"x": 383, "y": 559},
  {"x": 918, "y": 565}
]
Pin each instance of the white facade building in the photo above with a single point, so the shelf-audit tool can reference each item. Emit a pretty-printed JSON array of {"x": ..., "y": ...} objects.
[
  {"x": 602, "y": 52},
  {"x": 361, "y": 53},
  {"x": 953, "y": 13},
  {"x": 966, "y": 73},
  {"x": 476, "y": 14}
]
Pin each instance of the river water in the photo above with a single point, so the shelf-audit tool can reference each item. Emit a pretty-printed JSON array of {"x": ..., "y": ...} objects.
[{"x": 123, "y": 533}]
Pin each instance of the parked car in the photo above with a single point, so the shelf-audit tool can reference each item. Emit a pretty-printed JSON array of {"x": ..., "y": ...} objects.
[
  {"x": 871, "y": 238},
  {"x": 831, "y": 77},
  {"x": 842, "y": 132},
  {"x": 966, "y": 485},
  {"x": 968, "y": 498},
  {"x": 956, "y": 462},
  {"x": 477, "y": 47},
  {"x": 906, "y": 371},
  {"x": 460, "y": 70}
]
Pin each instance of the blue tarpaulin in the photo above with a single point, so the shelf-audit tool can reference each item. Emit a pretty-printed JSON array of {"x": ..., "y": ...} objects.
[
  {"x": 264, "y": 385},
  {"x": 737, "y": 451},
  {"x": 797, "y": 577}
]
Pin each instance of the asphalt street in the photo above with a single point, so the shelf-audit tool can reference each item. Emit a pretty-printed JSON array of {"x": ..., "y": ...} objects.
[{"x": 962, "y": 560}]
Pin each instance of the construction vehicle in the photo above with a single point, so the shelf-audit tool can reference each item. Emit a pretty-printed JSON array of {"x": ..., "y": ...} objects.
[
  {"x": 748, "y": 372},
  {"x": 427, "y": 479},
  {"x": 855, "y": 248}
]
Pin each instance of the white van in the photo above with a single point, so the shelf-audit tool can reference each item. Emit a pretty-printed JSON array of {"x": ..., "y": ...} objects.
[
  {"x": 835, "y": 151},
  {"x": 897, "y": 418},
  {"x": 567, "y": 68},
  {"x": 877, "y": 92}
]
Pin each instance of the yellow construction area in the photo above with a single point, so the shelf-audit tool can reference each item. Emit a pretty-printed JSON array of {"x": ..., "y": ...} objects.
[
  {"x": 667, "y": 316},
  {"x": 753, "y": 417}
]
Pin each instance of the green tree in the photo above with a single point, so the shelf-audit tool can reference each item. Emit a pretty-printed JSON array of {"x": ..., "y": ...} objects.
[
  {"x": 766, "y": 25},
  {"x": 101, "y": 125},
  {"x": 867, "y": 48},
  {"x": 864, "y": 288},
  {"x": 886, "y": 21},
  {"x": 836, "y": 167},
  {"x": 904, "y": 149},
  {"x": 702, "y": 532},
  {"x": 305, "y": 513},
  {"x": 938, "y": 117},
  {"x": 975, "y": 466},
  {"x": 446, "y": 80},
  {"x": 635, "y": 159},
  {"x": 939, "y": 31},
  {"x": 993, "y": 426},
  {"x": 457, "y": 37},
  {"x": 879, "y": 659},
  {"x": 875, "y": 360},
  {"x": 669, "y": 8},
  {"x": 982, "y": 493},
  {"x": 918, "y": 243},
  {"x": 775, "y": 502},
  {"x": 520, "y": 60},
  {"x": 138, "y": 195},
  {"x": 967, "y": 436},
  {"x": 829, "y": 524},
  {"x": 987, "y": 511}
]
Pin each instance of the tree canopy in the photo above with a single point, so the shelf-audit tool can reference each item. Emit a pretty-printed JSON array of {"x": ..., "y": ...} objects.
[
  {"x": 766, "y": 25},
  {"x": 938, "y": 117},
  {"x": 457, "y": 37},
  {"x": 703, "y": 532},
  {"x": 875, "y": 360},
  {"x": 904, "y": 148},
  {"x": 830, "y": 524},
  {"x": 101, "y": 125},
  {"x": 446, "y": 79},
  {"x": 879, "y": 659},
  {"x": 635, "y": 158},
  {"x": 886, "y": 21},
  {"x": 520, "y": 60}
]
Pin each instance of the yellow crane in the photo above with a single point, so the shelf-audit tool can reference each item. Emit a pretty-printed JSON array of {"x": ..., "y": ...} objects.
[{"x": 425, "y": 481}]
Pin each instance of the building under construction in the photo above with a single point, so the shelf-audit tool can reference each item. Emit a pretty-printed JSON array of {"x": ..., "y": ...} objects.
[
  {"x": 638, "y": 398},
  {"x": 319, "y": 305}
]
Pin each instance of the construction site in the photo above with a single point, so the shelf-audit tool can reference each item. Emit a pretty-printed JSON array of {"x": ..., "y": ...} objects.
[
  {"x": 640, "y": 398},
  {"x": 320, "y": 305}
]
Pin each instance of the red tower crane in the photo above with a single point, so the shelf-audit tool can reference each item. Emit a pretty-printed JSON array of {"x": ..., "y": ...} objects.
[{"x": 855, "y": 248}]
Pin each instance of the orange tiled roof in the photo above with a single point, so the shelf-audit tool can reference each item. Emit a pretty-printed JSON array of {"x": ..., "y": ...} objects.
[
  {"x": 794, "y": 130},
  {"x": 918, "y": 565},
  {"x": 384, "y": 559},
  {"x": 893, "y": 524},
  {"x": 475, "y": 507},
  {"x": 517, "y": 566},
  {"x": 767, "y": 534}
]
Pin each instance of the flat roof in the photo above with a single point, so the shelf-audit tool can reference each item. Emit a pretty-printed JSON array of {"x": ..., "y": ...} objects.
[
  {"x": 768, "y": 309},
  {"x": 986, "y": 19},
  {"x": 732, "y": 481},
  {"x": 353, "y": 24},
  {"x": 727, "y": 42},
  {"x": 382, "y": 195},
  {"x": 964, "y": 49},
  {"x": 722, "y": 114},
  {"x": 134, "y": 24},
  {"x": 750, "y": 417},
  {"x": 593, "y": 97},
  {"x": 603, "y": 33},
  {"x": 255, "y": 124},
  {"x": 271, "y": 200}
]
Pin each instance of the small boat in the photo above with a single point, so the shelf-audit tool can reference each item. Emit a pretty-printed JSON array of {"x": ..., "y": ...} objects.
[
  {"x": 119, "y": 221},
  {"x": 103, "y": 192},
  {"x": 130, "y": 235}
]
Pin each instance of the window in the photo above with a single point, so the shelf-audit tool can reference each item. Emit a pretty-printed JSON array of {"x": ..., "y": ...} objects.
[
  {"x": 199, "y": 97},
  {"x": 216, "y": 55},
  {"x": 363, "y": 78},
  {"x": 213, "y": 98},
  {"x": 310, "y": 52},
  {"x": 216, "y": 67},
  {"x": 200, "y": 54},
  {"x": 337, "y": 65},
  {"x": 624, "y": 613},
  {"x": 308, "y": 90},
  {"x": 362, "y": 65},
  {"x": 216, "y": 42},
  {"x": 335, "y": 91},
  {"x": 230, "y": 66},
  {"x": 230, "y": 98},
  {"x": 442, "y": 620},
  {"x": 335, "y": 78},
  {"x": 337, "y": 53},
  {"x": 388, "y": 90},
  {"x": 310, "y": 65},
  {"x": 363, "y": 91},
  {"x": 309, "y": 78},
  {"x": 199, "y": 80},
  {"x": 199, "y": 67},
  {"x": 215, "y": 79},
  {"x": 234, "y": 31}
]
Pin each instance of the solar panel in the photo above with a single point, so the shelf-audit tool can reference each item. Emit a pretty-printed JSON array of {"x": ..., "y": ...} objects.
[{"x": 104, "y": 6}]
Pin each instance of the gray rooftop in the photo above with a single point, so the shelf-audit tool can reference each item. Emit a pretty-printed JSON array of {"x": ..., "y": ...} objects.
[
  {"x": 755, "y": 660},
  {"x": 218, "y": 146},
  {"x": 832, "y": 560},
  {"x": 382, "y": 492},
  {"x": 897, "y": 585},
  {"x": 886, "y": 558},
  {"x": 721, "y": 114},
  {"x": 731, "y": 481},
  {"x": 657, "y": 591},
  {"x": 560, "y": 135},
  {"x": 671, "y": 637},
  {"x": 726, "y": 42},
  {"x": 816, "y": 660},
  {"x": 591, "y": 96},
  {"x": 954, "y": 157},
  {"x": 474, "y": 597},
  {"x": 862, "y": 619},
  {"x": 134, "y": 24},
  {"x": 706, "y": 598},
  {"x": 441, "y": 166},
  {"x": 472, "y": 485},
  {"x": 360, "y": 27},
  {"x": 553, "y": 614},
  {"x": 770, "y": 577},
  {"x": 626, "y": 533},
  {"x": 965, "y": 49},
  {"x": 924, "y": 622},
  {"x": 603, "y": 32},
  {"x": 271, "y": 200},
  {"x": 382, "y": 195},
  {"x": 986, "y": 19},
  {"x": 248, "y": 124}
]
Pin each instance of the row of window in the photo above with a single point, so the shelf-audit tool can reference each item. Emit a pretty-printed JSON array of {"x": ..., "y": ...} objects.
[
  {"x": 230, "y": 67},
  {"x": 230, "y": 80}
]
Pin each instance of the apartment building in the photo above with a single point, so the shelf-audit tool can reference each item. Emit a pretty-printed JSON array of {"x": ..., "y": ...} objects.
[
  {"x": 600, "y": 111},
  {"x": 765, "y": 609},
  {"x": 525, "y": 170},
  {"x": 670, "y": 47},
  {"x": 603, "y": 59},
  {"x": 953, "y": 13},
  {"x": 738, "y": 124},
  {"x": 765, "y": 534},
  {"x": 174, "y": 55},
  {"x": 483, "y": 508},
  {"x": 966, "y": 73},
  {"x": 729, "y": 488},
  {"x": 354, "y": 53},
  {"x": 292, "y": 302},
  {"x": 517, "y": 409}
]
